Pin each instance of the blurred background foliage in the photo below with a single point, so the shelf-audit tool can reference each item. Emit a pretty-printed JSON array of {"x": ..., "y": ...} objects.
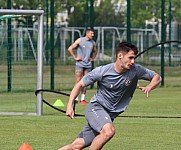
[{"x": 106, "y": 13}]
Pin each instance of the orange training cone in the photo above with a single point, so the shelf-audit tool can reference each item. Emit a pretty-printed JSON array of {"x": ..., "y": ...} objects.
[{"x": 25, "y": 146}]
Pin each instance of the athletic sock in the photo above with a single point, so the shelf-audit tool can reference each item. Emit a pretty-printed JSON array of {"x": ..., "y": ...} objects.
[
  {"x": 82, "y": 97},
  {"x": 77, "y": 98}
]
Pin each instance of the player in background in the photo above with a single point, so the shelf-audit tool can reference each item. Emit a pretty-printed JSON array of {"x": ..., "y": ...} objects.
[{"x": 86, "y": 53}]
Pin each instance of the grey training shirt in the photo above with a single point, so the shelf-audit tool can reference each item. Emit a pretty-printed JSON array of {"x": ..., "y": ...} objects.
[
  {"x": 115, "y": 90},
  {"x": 84, "y": 50}
]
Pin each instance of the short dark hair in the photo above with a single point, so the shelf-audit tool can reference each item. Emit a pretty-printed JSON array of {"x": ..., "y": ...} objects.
[
  {"x": 89, "y": 29},
  {"x": 125, "y": 47}
]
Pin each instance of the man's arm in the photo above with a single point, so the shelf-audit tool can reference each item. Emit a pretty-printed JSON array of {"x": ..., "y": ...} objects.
[
  {"x": 75, "y": 91},
  {"x": 73, "y": 47},
  {"x": 155, "y": 81},
  {"x": 94, "y": 53}
]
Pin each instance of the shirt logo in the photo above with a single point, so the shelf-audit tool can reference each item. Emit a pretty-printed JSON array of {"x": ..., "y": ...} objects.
[
  {"x": 106, "y": 118},
  {"x": 95, "y": 113},
  {"x": 127, "y": 82}
]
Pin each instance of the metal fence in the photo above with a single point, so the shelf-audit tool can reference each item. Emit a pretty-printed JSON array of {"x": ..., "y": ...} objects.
[{"x": 58, "y": 66}]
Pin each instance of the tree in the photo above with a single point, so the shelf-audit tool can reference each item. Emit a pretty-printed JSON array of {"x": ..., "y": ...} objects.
[
  {"x": 106, "y": 13},
  {"x": 23, "y": 4},
  {"x": 147, "y": 10}
]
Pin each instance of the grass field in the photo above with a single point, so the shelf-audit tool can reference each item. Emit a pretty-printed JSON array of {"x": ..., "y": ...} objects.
[{"x": 156, "y": 125}]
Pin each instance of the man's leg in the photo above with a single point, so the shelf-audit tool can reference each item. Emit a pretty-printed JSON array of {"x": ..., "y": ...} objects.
[
  {"x": 78, "y": 77},
  {"x": 105, "y": 135},
  {"x": 84, "y": 139},
  {"x": 100, "y": 121},
  {"x": 82, "y": 98},
  {"x": 83, "y": 91},
  {"x": 78, "y": 144}
]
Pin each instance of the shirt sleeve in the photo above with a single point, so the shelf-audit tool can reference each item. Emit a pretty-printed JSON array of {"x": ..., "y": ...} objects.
[
  {"x": 93, "y": 76},
  {"x": 144, "y": 73}
]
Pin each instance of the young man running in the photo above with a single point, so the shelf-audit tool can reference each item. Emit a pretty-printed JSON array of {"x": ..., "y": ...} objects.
[{"x": 116, "y": 85}]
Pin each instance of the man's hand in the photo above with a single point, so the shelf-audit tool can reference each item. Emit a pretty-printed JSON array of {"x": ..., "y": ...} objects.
[
  {"x": 78, "y": 58},
  {"x": 91, "y": 59},
  {"x": 155, "y": 81},
  {"x": 70, "y": 112},
  {"x": 146, "y": 89}
]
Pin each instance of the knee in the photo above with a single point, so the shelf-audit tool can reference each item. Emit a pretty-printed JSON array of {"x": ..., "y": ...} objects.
[
  {"x": 78, "y": 144},
  {"x": 108, "y": 130}
]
